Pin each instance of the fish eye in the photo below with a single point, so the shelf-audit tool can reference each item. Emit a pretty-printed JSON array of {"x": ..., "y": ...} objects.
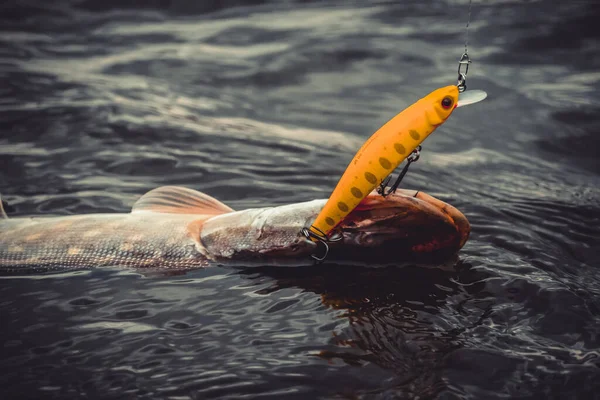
[{"x": 447, "y": 102}]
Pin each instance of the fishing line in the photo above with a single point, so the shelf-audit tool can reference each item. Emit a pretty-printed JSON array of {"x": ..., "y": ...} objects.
[
  {"x": 462, "y": 86},
  {"x": 464, "y": 59},
  {"x": 467, "y": 27}
]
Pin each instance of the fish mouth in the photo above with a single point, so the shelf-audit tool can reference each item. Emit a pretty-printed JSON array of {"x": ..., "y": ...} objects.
[{"x": 405, "y": 225}]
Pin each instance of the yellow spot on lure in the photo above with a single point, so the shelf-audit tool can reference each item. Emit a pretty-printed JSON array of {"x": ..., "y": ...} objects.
[{"x": 385, "y": 150}]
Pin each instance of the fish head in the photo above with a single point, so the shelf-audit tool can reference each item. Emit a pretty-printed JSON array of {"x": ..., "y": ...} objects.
[
  {"x": 406, "y": 225},
  {"x": 440, "y": 103}
]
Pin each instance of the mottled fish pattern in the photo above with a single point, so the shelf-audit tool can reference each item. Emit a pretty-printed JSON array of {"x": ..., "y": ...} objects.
[
  {"x": 130, "y": 240},
  {"x": 162, "y": 231},
  {"x": 172, "y": 228}
]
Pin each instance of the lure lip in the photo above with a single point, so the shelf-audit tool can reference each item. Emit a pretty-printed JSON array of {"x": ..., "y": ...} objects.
[{"x": 470, "y": 97}]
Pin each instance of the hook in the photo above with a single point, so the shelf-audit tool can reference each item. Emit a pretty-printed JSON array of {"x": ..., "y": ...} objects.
[
  {"x": 412, "y": 157},
  {"x": 320, "y": 237}
]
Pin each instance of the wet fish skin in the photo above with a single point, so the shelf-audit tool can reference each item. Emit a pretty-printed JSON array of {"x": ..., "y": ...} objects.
[
  {"x": 96, "y": 240},
  {"x": 261, "y": 234},
  {"x": 405, "y": 226},
  {"x": 178, "y": 229}
]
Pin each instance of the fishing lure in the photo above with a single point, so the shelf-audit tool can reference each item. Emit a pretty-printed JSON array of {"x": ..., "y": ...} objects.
[{"x": 385, "y": 150}]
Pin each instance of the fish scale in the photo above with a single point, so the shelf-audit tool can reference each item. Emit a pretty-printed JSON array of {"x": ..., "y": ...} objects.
[
  {"x": 168, "y": 234},
  {"x": 133, "y": 240}
]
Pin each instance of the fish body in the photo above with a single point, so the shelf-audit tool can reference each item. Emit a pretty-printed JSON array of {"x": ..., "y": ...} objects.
[
  {"x": 130, "y": 240},
  {"x": 383, "y": 152},
  {"x": 177, "y": 228}
]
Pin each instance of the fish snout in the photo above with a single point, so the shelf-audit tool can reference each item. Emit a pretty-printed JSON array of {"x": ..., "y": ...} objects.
[
  {"x": 461, "y": 222},
  {"x": 407, "y": 224}
]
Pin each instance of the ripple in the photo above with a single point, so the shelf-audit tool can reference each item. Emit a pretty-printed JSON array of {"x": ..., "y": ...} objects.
[
  {"x": 265, "y": 103},
  {"x": 124, "y": 327}
]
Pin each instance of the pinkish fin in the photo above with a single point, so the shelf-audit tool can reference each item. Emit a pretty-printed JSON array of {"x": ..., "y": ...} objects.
[
  {"x": 179, "y": 200},
  {"x": 2, "y": 212}
]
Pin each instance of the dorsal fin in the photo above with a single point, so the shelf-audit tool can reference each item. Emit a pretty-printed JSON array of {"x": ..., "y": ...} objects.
[
  {"x": 179, "y": 200},
  {"x": 2, "y": 212}
]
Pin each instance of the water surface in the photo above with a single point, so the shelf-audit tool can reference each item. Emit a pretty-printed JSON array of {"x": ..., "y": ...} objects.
[{"x": 264, "y": 103}]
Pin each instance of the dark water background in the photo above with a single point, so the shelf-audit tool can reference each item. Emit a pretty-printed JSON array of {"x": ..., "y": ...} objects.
[{"x": 264, "y": 103}]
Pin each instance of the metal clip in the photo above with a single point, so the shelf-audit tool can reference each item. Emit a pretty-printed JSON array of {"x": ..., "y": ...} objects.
[
  {"x": 462, "y": 76},
  {"x": 415, "y": 155}
]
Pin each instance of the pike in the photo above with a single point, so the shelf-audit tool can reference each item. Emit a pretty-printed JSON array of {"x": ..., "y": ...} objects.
[{"x": 176, "y": 228}]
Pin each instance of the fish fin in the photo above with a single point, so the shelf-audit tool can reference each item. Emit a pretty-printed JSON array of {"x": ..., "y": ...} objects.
[
  {"x": 2, "y": 212},
  {"x": 179, "y": 200}
]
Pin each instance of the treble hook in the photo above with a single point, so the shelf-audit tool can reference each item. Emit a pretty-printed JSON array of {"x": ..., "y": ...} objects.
[
  {"x": 322, "y": 238},
  {"x": 413, "y": 157}
]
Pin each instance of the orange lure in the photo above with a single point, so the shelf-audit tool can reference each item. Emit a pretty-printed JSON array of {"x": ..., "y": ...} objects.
[{"x": 383, "y": 152}]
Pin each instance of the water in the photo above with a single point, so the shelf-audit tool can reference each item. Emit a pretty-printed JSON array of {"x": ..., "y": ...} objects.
[{"x": 264, "y": 103}]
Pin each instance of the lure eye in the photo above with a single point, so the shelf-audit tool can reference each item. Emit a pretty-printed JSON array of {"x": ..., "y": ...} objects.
[{"x": 447, "y": 102}]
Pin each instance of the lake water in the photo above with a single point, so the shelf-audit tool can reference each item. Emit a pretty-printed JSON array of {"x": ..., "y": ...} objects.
[{"x": 264, "y": 103}]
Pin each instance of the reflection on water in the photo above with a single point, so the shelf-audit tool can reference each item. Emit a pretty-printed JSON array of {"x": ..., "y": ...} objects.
[
  {"x": 263, "y": 103},
  {"x": 391, "y": 318}
]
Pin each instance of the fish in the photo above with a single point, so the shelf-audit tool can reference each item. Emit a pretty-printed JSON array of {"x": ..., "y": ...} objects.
[
  {"x": 386, "y": 149},
  {"x": 177, "y": 228}
]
